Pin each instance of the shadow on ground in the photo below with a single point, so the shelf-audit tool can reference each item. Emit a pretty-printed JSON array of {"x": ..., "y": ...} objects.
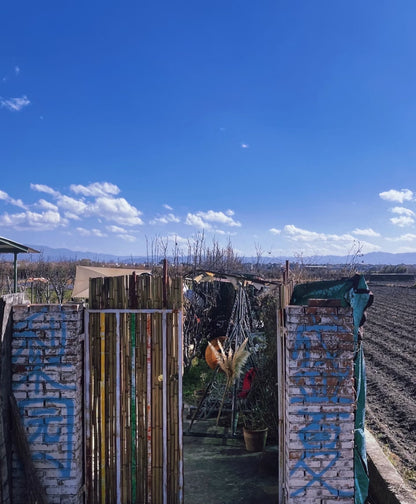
[{"x": 221, "y": 471}]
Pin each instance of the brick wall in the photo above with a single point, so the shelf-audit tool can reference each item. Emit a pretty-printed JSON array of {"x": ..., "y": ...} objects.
[
  {"x": 6, "y": 304},
  {"x": 320, "y": 405},
  {"x": 47, "y": 384}
]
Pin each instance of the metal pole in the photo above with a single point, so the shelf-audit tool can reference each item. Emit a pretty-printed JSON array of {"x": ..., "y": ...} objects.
[{"x": 15, "y": 272}]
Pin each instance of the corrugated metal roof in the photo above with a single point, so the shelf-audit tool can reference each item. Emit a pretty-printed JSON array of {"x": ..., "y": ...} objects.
[{"x": 10, "y": 247}]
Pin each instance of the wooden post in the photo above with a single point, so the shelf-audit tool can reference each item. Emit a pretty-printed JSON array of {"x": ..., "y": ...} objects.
[
  {"x": 133, "y": 418},
  {"x": 87, "y": 404},
  {"x": 149, "y": 406},
  {"x": 36, "y": 493},
  {"x": 103, "y": 453},
  {"x": 165, "y": 281}
]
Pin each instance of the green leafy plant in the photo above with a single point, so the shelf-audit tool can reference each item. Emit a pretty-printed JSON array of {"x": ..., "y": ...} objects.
[
  {"x": 254, "y": 409},
  {"x": 260, "y": 407}
]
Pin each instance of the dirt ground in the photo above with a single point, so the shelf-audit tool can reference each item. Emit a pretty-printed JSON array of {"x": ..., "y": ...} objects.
[
  {"x": 221, "y": 471},
  {"x": 390, "y": 352}
]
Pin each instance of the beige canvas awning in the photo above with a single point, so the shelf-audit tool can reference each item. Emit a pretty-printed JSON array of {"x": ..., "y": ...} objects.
[{"x": 84, "y": 273}]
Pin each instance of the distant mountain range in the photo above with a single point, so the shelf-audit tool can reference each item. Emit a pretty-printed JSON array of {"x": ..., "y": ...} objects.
[
  {"x": 385, "y": 258},
  {"x": 64, "y": 254}
]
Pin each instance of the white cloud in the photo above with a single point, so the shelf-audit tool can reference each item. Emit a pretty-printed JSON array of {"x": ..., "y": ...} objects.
[
  {"x": 34, "y": 221},
  {"x": 103, "y": 205},
  {"x": 403, "y": 211},
  {"x": 8, "y": 199},
  {"x": 197, "y": 221},
  {"x": 127, "y": 238},
  {"x": 91, "y": 232},
  {"x": 72, "y": 205},
  {"x": 116, "y": 210},
  {"x": 44, "y": 188},
  {"x": 116, "y": 229},
  {"x": 275, "y": 231},
  {"x": 95, "y": 189},
  {"x": 203, "y": 220},
  {"x": 366, "y": 232},
  {"x": 244, "y": 146},
  {"x": 16, "y": 70},
  {"x": 14, "y": 104},
  {"x": 72, "y": 216},
  {"x": 298, "y": 234},
  {"x": 47, "y": 205},
  {"x": 168, "y": 207},
  {"x": 165, "y": 219},
  {"x": 178, "y": 240},
  {"x": 325, "y": 243},
  {"x": 399, "y": 196},
  {"x": 405, "y": 237},
  {"x": 402, "y": 221}
]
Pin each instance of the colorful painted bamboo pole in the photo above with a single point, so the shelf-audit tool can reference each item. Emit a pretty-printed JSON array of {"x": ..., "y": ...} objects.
[
  {"x": 164, "y": 411},
  {"x": 118, "y": 411}
]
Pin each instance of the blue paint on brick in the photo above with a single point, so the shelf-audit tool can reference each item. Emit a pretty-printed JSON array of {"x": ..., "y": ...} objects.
[
  {"x": 319, "y": 381},
  {"x": 50, "y": 419}
]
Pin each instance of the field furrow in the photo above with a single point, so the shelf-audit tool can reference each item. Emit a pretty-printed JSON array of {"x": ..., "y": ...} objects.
[{"x": 390, "y": 352}]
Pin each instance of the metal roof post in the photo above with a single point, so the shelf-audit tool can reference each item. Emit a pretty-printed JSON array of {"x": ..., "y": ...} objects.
[
  {"x": 11, "y": 247},
  {"x": 15, "y": 272}
]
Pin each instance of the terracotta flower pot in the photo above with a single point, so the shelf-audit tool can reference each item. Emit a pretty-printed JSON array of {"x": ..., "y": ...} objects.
[{"x": 255, "y": 440}]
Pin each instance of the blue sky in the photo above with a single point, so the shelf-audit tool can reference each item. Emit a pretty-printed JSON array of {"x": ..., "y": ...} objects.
[{"x": 286, "y": 127}]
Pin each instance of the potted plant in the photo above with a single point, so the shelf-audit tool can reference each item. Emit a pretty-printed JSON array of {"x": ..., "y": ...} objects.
[
  {"x": 259, "y": 403},
  {"x": 253, "y": 408}
]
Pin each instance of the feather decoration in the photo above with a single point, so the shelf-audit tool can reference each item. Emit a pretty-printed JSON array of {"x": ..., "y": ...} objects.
[{"x": 231, "y": 363}]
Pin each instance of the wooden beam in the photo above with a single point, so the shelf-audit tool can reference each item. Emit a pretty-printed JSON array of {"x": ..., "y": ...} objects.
[{"x": 36, "y": 493}]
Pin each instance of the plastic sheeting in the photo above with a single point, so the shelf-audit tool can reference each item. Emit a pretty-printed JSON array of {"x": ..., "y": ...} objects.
[{"x": 352, "y": 292}]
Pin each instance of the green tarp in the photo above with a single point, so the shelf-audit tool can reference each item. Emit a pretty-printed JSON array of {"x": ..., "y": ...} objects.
[{"x": 352, "y": 292}]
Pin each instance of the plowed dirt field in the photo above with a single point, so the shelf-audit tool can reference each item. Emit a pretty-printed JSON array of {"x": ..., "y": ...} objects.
[{"x": 390, "y": 352}]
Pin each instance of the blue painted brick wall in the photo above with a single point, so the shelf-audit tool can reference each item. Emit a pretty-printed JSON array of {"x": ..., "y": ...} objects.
[
  {"x": 47, "y": 383},
  {"x": 320, "y": 405}
]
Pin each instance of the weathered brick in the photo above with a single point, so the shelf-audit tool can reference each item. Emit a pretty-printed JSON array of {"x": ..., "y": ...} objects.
[
  {"x": 47, "y": 382},
  {"x": 320, "y": 403}
]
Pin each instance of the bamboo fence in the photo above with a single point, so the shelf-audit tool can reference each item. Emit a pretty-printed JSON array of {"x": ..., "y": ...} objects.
[
  {"x": 285, "y": 294},
  {"x": 133, "y": 389}
]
